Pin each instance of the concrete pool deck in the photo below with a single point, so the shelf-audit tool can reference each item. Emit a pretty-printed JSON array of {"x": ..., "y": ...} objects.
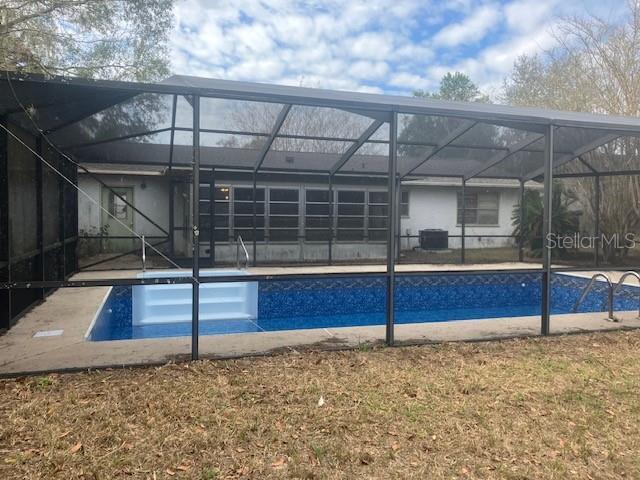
[{"x": 71, "y": 310}]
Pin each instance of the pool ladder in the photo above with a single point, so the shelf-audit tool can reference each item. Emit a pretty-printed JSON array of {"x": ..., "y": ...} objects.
[
  {"x": 239, "y": 245},
  {"x": 610, "y": 289}
]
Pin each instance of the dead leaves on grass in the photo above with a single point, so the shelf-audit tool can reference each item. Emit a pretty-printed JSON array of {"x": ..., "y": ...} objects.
[
  {"x": 76, "y": 448},
  {"x": 326, "y": 412}
]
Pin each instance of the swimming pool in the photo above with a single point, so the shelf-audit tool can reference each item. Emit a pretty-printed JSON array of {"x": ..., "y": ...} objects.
[{"x": 360, "y": 301}]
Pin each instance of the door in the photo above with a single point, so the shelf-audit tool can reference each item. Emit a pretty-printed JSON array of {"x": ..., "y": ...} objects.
[{"x": 119, "y": 221}]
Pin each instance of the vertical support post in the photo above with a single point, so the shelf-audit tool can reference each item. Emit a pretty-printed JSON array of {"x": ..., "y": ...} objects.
[
  {"x": 172, "y": 222},
  {"x": 597, "y": 215},
  {"x": 521, "y": 220},
  {"x": 253, "y": 221},
  {"x": 62, "y": 189},
  {"x": 330, "y": 241},
  {"x": 398, "y": 219},
  {"x": 174, "y": 107},
  {"x": 464, "y": 220},
  {"x": 547, "y": 230},
  {"x": 212, "y": 218},
  {"x": 76, "y": 265},
  {"x": 40, "y": 212},
  {"x": 5, "y": 232},
  {"x": 391, "y": 237},
  {"x": 195, "y": 283}
]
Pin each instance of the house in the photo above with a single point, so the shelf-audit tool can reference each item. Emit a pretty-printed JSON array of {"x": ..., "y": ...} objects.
[{"x": 292, "y": 212}]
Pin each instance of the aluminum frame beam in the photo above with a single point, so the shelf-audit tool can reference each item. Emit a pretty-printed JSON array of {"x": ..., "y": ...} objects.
[
  {"x": 518, "y": 147},
  {"x": 195, "y": 288},
  {"x": 89, "y": 112},
  {"x": 115, "y": 139},
  {"x": 282, "y": 116},
  {"x": 174, "y": 106},
  {"x": 293, "y": 136},
  {"x": 391, "y": 229},
  {"x": 547, "y": 220},
  {"x": 587, "y": 164},
  {"x": 371, "y": 129},
  {"x": 448, "y": 140},
  {"x": 598, "y": 142}
]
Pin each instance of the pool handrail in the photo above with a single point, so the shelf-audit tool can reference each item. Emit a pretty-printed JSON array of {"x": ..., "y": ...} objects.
[
  {"x": 240, "y": 243},
  {"x": 144, "y": 254},
  {"x": 621, "y": 282},
  {"x": 590, "y": 286}
]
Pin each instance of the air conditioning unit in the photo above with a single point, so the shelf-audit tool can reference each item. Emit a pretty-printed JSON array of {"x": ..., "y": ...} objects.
[{"x": 434, "y": 239}]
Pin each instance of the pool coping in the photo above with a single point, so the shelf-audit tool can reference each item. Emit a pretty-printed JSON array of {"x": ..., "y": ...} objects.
[{"x": 97, "y": 315}]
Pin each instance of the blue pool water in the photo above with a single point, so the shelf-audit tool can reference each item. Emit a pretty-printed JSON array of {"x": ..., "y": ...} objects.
[{"x": 359, "y": 301}]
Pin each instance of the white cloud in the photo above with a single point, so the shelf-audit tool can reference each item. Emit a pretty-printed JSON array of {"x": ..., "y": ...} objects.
[
  {"x": 367, "y": 70},
  {"x": 474, "y": 27},
  {"x": 364, "y": 45},
  {"x": 491, "y": 65},
  {"x": 371, "y": 45},
  {"x": 527, "y": 15},
  {"x": 404, "y": 79}
]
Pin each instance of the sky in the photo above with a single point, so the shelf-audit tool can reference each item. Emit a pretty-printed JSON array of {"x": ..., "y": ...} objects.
[{"x": 390, "y": 46}]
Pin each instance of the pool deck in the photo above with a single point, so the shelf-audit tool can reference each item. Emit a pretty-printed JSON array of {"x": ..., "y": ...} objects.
[{"x": 72, "y": 310}]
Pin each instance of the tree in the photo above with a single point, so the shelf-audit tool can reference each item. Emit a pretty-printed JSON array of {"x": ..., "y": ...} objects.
[
  {"x": 302, "y": 121},
  {"x": 115, "y": 39},
  {"x": 455, "y": 87},
  {"x": 416, "y": 130},
  {"x": 595, "y": 68}
]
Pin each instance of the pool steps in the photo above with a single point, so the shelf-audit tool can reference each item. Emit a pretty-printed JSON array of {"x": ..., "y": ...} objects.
[{"x": 157, "y": 304}]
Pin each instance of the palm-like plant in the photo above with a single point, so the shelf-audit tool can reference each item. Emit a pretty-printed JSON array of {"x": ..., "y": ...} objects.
[{"x": 564, "y": 221}]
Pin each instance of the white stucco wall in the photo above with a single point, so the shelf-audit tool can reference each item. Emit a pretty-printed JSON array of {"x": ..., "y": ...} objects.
[
  {"x": 436, "y": 207},
  {"x": 152, "y": 199},
  {"x": 429, "y": 207}
]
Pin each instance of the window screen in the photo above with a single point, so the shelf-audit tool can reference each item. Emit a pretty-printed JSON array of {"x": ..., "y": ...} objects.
[
  {"x": 351, "y": 214},
  {"x": 481, "y": 208},
  {"x": 378, "y": 211},
  {"x": 283, "y": 214},
  {"x": 316, "y": 220},
  {"x": 222, "y": 200},
  {"x": 243, "y": 213}
]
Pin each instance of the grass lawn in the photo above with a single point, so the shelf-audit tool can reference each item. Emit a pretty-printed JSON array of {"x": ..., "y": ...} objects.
[
  {"x": 541, "y": 408},
  {"x": 472, "y": 255}
]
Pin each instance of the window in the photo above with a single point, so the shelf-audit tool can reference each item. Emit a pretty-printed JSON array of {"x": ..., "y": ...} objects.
[
  {"x": 283, "y": 214},
  {"x": 221, "y": 213},
  {"x": 481, "y": 208},
  {"x": 222, "y": 200},
  {"x": 117, "y": 206},
  {"x": 243, "y": 213},
  {"x": 350, "y": 215},
  {"x": 404, "y": 203},
  {"x": 204, "y": 224},
  {"x": 378, "y": 211},
  {"x": 316, "y": 221}
]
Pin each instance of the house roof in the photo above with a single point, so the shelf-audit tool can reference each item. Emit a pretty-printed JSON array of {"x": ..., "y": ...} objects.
[{"x": 139, "y": 153}]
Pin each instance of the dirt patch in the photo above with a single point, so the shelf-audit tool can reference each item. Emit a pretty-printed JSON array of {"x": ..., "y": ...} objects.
[{"x": 537, "y": 408}]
